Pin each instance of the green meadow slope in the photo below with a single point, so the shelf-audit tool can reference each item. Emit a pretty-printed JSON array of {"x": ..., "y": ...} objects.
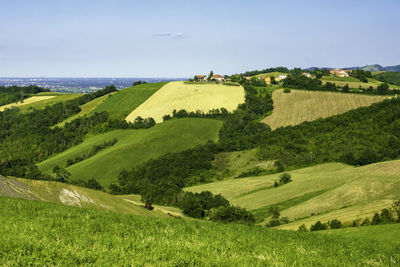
[
  {"x": 322, "y": 192},
  {"x": 36, "y": 233},
  {"x": 87, "y": 108},
  {"x": 122, "y": 103},
  {"x": 71, "y": 195},
  {"x": 133, "y": 147}
]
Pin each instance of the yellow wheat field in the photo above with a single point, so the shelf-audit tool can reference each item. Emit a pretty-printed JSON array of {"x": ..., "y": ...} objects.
[
  {"x": 27, "y": 101},
  {"x": 191, "y": 97},
  {"x": 299, "y": 106}
]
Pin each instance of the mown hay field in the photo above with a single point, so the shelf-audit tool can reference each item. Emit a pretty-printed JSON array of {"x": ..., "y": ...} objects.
[
  {"x": 191, "y": 97},
  {"x": 133, "y": 147},
  {"x": 298, "y": 106},
  {"x": 46, "y": 234},
  {"x": 323, "y": 192}
]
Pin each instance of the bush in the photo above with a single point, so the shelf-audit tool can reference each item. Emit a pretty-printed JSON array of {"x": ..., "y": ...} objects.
[
  {"x": 302, "y": 228},
  {"x": 285, "y": 178},
  {"x": 335, "y": 224},
  {"x": 286, "y": 90},
  {"x": 318, "y": 226},
  {"x": 197, "y": 204},
  {"x": 231, "y": 214}
]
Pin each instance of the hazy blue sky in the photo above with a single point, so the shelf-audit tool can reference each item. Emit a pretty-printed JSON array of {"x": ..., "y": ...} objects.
[{"x": 119, "y": 38}]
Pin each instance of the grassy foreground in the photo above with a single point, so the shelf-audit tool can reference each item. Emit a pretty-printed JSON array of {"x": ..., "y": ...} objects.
[
  {"x": 35, "y": 233},
  {"x": 133, "y": 147},
  {"x": 298, "y": 106}
]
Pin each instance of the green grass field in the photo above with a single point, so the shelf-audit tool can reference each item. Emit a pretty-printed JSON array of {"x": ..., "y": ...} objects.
[
  {"x": 191, "y": 97},
  {"x": 134, "y": 147},
  {"x": 122, "y": 103},
  {"x": 299, "y": 105},
  {"x": 323, "y": 192},
  {"x": 35, "y": 233},
  {"x": 87, "y": 108}
]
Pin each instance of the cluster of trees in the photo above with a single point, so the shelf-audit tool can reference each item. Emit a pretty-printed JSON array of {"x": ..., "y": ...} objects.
[
  {"x": 386, "y": 216},
  {"x": 268, "y": 70},
  {"x": 13, "y": 94},
  {"x": 197, "y": 205},
  {"x": 212, "y": 114},
  {"x": 362, "y": 75},
  {"x": 358, "y": 137},
  {"x": 302, "y": 82},
  {"x": 138, "y": 83},
  {"x": 213, "y": 207},
  {"x": 91, "y": 153}
]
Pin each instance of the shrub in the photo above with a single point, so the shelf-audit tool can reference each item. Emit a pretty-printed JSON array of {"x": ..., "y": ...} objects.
[
  {"x": 302, "y": 228},
  {"x": 231, "y": 214},
  {"x": 318, "y": 226},
  {"x": 335, "y": 224},
  {"x": 285, "y": 178},
  {"x": 286, "y": 90}
]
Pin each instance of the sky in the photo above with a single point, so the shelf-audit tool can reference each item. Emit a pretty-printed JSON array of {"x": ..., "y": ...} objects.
[{"x": 117, "y": 38}]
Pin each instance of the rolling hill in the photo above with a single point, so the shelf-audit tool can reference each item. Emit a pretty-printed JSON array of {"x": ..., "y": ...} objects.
[
  {"x": 191, "y": 97},
  {"x": 322, "y": 192},
  {"x": 49, "y": 234},
  {"x": 119, "y": 105},
  {"x": 71, "y": 195},
  {"x": 133, "y": 147},
  {"x": 299, "y": 106}
]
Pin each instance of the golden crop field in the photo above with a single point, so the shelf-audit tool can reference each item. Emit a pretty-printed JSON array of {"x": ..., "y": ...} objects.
[
  {"x": 298, "y": 106},
  {"x": 27, "y": 101},
  {"x": 191, "y": 97}
]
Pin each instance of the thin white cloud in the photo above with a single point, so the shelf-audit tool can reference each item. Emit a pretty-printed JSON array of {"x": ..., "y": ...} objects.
[{"x": 174, "y": 35}]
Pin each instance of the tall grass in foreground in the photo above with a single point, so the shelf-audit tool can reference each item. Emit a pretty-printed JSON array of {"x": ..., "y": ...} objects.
[{"x": 35, "y": 233}]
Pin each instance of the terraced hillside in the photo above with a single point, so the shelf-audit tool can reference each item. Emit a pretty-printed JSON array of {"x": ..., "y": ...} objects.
[
  {"x": 119, "y": 105},
  {"x": 191, "y": 97},
  {"x": 323, "y": 192},
  {"x": 299, "y": 106},
  {"x": 35, "y": 233},
  {"x": 133, "y": 147},
  {"x": 71, "y": 195}
]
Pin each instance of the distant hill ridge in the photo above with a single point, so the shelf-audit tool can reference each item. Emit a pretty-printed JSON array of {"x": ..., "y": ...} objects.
[{"x": 373, "y": 67}]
